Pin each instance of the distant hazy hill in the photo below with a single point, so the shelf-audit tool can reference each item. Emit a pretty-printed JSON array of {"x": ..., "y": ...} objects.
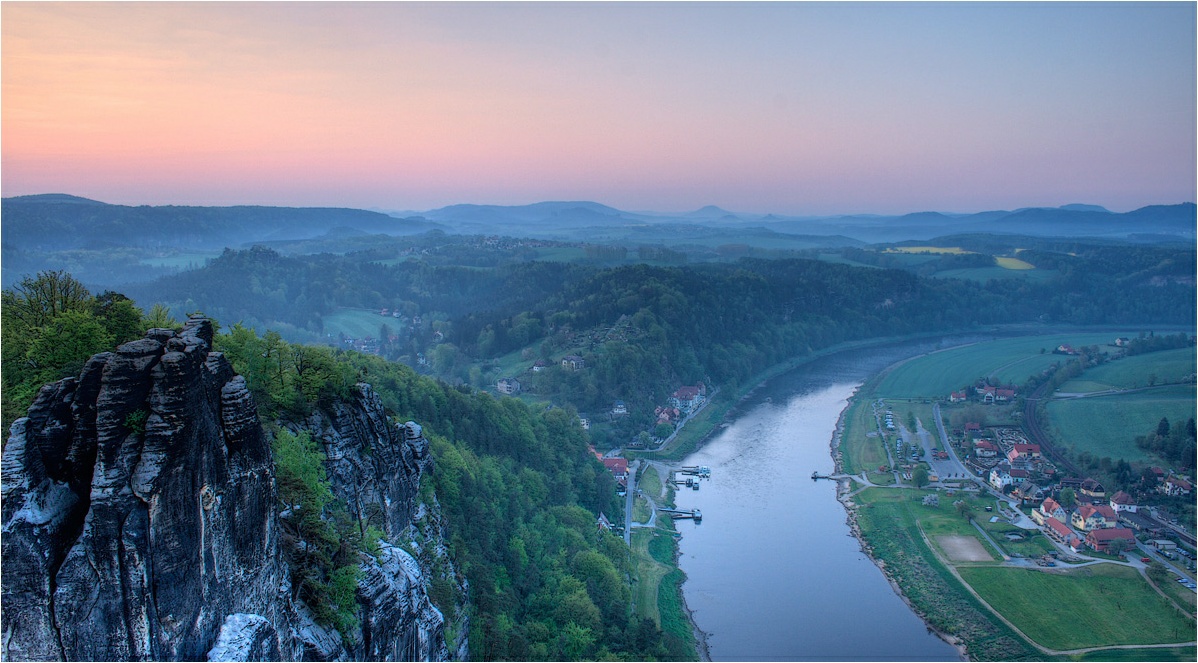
[{"x": 56, "y": 222}]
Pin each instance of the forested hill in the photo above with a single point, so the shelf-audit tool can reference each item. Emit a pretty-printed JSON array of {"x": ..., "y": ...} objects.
[
  {"x": 59, "y": 222},
  {"x": 645, "y": 330}
]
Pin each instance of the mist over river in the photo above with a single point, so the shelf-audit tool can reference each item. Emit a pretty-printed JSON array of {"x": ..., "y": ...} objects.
[{"x": 773, "y": 571}]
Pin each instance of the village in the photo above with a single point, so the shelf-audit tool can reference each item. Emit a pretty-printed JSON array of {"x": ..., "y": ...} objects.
[{"x": 1077, "y": 513}]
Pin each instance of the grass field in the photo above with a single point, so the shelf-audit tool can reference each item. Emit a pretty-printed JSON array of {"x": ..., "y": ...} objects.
[
  {"x": 887, "y": 519},
  {"x": 860, "y": 451},
  {"x": 640, "y": 510},
  {"x": 1108, "y": 425},
  {"x": 181, "y": 260},
  {"x": 1136, "y": 371},
  {"x": 937, "y": 374},
  {"x": 650, "y": 483},
  {"x": 1013, "y": 263},
  {"x": 1088, "y": 607},
  {"x": 1154, "y": 654},
  {"x": 357, "y": 323}
]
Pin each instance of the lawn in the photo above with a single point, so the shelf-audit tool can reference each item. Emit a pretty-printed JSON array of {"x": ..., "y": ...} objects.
[
  {"x": 358, "y": 323},
  {"x": 640, "y": 510},
  {"x": 650, "y": 483},
  {"x": 937, "y": 374},
  {"x": 1136, "y": 371},
  {"x": 1108, "y": 425},
  {"x": 1093, "y": 606}
]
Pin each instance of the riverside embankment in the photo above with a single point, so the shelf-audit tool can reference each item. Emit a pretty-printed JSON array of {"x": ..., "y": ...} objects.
[{"x": 774, "y": 570}]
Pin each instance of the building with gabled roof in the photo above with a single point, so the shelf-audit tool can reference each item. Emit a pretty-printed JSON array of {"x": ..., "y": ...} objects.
[{"x": 1100, "y": 539}]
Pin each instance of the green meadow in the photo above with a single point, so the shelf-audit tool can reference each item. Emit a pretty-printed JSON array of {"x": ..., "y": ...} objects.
[
  {"x": 937, "y": 374},
  {"x": 1136, "y": 371},
  {"x": 1091, "y": 606},
  {"x": 358, "y": 323},
  {"x": 1108, "y": 425}
]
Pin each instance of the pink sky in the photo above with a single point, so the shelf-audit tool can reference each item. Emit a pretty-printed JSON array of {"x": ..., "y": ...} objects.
[{"x": 793, "y": 109}]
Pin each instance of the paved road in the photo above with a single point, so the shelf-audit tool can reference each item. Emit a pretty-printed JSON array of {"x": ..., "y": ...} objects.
[{"x": 628, "y": 499}]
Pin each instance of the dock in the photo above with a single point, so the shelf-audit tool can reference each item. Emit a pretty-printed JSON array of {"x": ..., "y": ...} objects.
[{"x": 679, "y": 514}]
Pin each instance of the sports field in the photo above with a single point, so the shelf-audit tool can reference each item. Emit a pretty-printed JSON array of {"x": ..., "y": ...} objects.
[
  {"x": 1108, "y": 425},
  {"x": 1013, "y": 359}
]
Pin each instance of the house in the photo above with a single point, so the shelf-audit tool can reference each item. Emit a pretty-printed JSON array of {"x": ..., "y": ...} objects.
[
  {"x": 584, "y": 421},
  {"x": 604, "y": 523},
  {"x": 1122, "y": 342},
  {"x": 1028, "y": 493},
  {"x": 1100, "y": 539},
  {"x": 988, "y": 393},
  {"x": 1065, "y": 350},
  {"x": 1059, "y": 531},
  {"x": 508, "y": 386},
  {"x": 1175, "y": 486},
  {"x": 1050, "y": 508},
  {"x": 617, "y": 466},
  {"x": 1092, "y": 489},
  {"x": 1090, "y": 517},
  {"x": 985, "y": 449},
  {"x": 1004, "y": 395},
  {"x": 1023, "y": 452},
  {"x": 956, "y": 397},
  {"x": 687, "y": 399},
  {"x": 1018, "y": 474},
  {"x": 1121, "y": 501},
  {"x": 619, "y": 409},
  {"x": 972, "y": 427},
  {"x": 539, "y": 365},
  {"x": 1000, "y": 475},
  {"x": 573, "y": 362}
]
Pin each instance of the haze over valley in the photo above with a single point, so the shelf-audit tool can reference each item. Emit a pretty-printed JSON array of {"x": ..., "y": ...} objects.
[{"x": 598, "y": 331}]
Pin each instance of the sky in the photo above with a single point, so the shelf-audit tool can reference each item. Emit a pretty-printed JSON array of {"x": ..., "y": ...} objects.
[{"x": 786, "y": 108}]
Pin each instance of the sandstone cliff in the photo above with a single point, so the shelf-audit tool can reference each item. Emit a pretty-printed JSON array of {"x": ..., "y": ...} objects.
[{"x": 140, "y": 518}]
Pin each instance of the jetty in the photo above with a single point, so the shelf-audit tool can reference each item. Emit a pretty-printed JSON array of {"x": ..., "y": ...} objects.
[
  {"x": 678, "y": 514},
  {"x": 835, "y": 477}
]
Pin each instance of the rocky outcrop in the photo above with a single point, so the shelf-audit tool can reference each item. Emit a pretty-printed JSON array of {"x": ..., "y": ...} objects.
[
  {"x": 375, "y": 466},
  {"x": 140, "y": 518},
  {"x": 137, "y": 513}
]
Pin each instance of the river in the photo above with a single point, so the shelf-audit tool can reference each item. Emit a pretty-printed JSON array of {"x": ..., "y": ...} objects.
[{"x": 773, "y": 571}]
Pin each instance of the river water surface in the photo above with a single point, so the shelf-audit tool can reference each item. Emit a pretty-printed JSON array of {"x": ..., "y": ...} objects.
[{"x": 773, "y": 571}]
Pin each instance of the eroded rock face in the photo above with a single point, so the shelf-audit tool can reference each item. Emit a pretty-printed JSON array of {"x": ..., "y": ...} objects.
[
  {"x": 136, "y": 520},
  {"x": 140, "y": 519}
]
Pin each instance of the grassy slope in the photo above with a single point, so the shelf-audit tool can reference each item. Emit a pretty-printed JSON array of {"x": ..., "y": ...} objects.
[
  {"x": 357, "y": 323},
  {"x": 1136, "y": 371},
  {"x": 1087, "y": 607},
  {"x": 1108, "y": 425},
  {"x": 938, "y": 374}
]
